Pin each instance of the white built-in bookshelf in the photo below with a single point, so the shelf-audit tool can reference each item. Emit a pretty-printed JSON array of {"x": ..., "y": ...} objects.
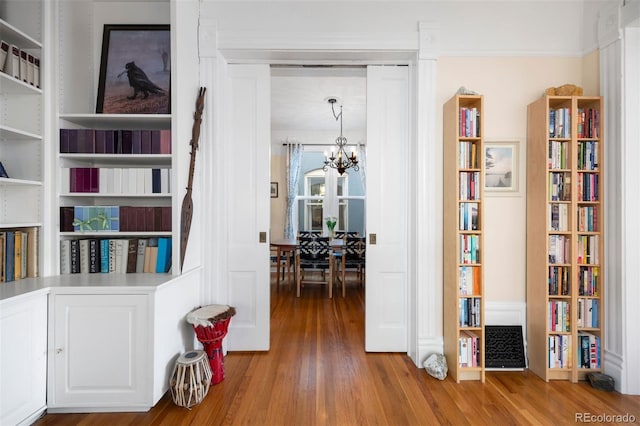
[
  {"x": 565, "y": 224},
  {"x": 464, "y": 337},
  {"x": 22, "y": 145},
  {"x": 130, "y": 201}
]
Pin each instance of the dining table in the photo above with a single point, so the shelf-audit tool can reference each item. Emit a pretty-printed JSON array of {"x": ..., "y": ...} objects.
[{"x": 288, "y": 246}]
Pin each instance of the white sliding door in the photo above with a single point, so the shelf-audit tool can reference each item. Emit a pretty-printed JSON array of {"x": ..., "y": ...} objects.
[
  {"x": 246, "y": 146},
  {"x": 387, "y": 209}
]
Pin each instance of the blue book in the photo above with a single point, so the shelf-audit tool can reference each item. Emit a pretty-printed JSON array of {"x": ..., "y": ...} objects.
[
  {"x": 104, "y": 255},
  {"x": 163, "y": 261},
  {"x": 9, "y": 252},
  {"x": 156, "y": 181}
]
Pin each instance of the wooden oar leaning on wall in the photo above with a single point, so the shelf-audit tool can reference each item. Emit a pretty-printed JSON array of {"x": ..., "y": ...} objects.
[{"x": 187, "y": 203}]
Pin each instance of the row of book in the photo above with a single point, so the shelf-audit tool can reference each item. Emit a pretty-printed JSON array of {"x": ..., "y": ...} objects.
[
  {"x": 588, "y": 218},
  {"x": 560, "y": 123},
  {"x": 468, "y": 216},
  {"x": 559, "y": 351},
  {"x": 588, "y": 186},
  {"x": 115, "y": 219},
  {"x": 127, "y": 181},
  {"x": 469, "y": 186},
  {"x": 559, "y": 249},
  {"x": 469, "y": 122},
  {"x": 469, "y": 281},
  {"x": 589, "y": 350},
  {"x": 588, "y": 313},
  {"x": 469, "y": 311},
  {"x": 559, "y": 316},
  {"x": 560, "y": 186},
  {"x": 18, "y": 254},
  {"x": 558, "y": 217},
  {"x": 126, "y": 141},
  {"x": 559, "y": 281},
  {"x": 469, "y": 249},
  {"x": 588, "y": 281},
  {"x": 469, "y": 349},
  {"x": 588, "y": 155},
  {"x": 102, "y": 255},
  {"x": 558, "y": 155},
  {"x": 19, "y": 63},
  {"x": 468, "y": 155},
  {"x": 588, "y": 123},
  {"x": 588, "y": 249}
]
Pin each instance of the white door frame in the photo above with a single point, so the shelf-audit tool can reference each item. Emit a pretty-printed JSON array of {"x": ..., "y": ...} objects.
[{"x": 419, "y": 51}]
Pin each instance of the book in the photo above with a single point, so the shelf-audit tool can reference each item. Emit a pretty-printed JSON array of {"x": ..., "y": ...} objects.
[
  {"x": 36, "y": 72},
  {"x": 12, "y": 62},
  {"x": 95, "y": 261},
  {"x": 9, "y": 256},
  {"x": 30, "y": 66},
  {"x": 25, "y": 254},
  {"x": 132, "y": 255},
  {"x": 23, "y": 66},
  {"x": 163, "y": 259},
  {"x": 3, "y": 171},
  {"x": 3, "y": 265},
  {"x": 151, "y": 255},
  {"x": 104, "y": 255},
  {"x": 17, "y": 255},
  {"x": 4, "y": 52},
  {"x": 84, "y": 256},
  {"x": 65, "y": 257},
  {"x": 165, "y": 141},
  {"x": 75, "y": 256},
  {"x": 32, "y": 252},
  {"x": 112, "y": 256},
  {"x": 142, "y": 245}
]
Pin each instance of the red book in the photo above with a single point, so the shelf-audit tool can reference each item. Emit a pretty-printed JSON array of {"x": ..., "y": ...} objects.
[
  {"x": 166, "y": 218},
  {"x": 94, "y": 179},
  {"x": 157, "y": 219},
  {"x": 149, "y": 218},
  {"x": 165, "y": 141}
]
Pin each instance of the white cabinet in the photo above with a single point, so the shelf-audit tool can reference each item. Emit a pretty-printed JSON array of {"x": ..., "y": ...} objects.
[
  {"x": 99, "y": 349},
  {"x": 23, "y": 358}
]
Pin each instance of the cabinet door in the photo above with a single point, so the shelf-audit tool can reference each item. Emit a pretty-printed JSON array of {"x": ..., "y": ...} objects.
[
  {"x": 23, "y": 359},
  {"x": 100, "y": 348}
]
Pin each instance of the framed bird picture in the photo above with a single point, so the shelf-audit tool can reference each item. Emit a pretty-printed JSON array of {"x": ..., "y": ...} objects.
[{"x": 135, "y": 70}]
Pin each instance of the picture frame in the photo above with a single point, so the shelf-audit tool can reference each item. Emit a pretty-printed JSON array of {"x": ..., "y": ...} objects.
[
  {"x": 274, "y": 189},
  {"x": 135, "y": 70},
  {"x": 502, "y": 167}
]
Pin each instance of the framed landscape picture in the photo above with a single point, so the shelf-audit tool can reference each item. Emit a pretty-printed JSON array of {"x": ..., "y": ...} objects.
[
  {"x": 501, "y": 169},
  {"x": 135, "y": 70}
]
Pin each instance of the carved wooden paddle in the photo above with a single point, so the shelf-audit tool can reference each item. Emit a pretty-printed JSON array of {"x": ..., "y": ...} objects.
[{"x": 187, "y": 203}]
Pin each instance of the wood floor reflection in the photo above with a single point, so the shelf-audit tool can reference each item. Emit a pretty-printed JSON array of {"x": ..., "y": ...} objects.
[{"x": 317, "y": 373}]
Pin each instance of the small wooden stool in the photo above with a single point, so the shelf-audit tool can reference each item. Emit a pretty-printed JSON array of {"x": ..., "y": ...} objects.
[{"x": 190, "y": 379}]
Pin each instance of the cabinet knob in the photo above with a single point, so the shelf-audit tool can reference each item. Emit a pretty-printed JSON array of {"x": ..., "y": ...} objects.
[{"x": 59, "y": 350}]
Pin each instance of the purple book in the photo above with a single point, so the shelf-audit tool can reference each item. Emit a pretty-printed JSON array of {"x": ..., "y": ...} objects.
[
  {"x": 147, "y": 136},
  {"x": 111, "y": 137},
  {"x": 100, "y": 137},
  {"x": 73, "y": 141},
  {"x": 155, "y": 142},
  {"x": 126, "y": 142},
  {"x": 64, "y": 141},
  {"x": 136, "y": 143},
  {"x": 94, "y": 179},
  {"x": 86, "y": 141}
]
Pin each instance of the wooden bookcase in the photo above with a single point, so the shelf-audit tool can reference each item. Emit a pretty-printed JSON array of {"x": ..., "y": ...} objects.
[
  {"x": 565, "y": 243},
  {"x": 22, "y": 145},
  {"x": 463, "y": 192}
]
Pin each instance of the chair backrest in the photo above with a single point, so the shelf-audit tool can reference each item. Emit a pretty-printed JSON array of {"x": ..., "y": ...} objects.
[
  {"x": 344, "y": 235},
  {"x": 314, "y": 248},
  {"x": 355, "y": 248},
  {"x": 308, "y": 234}
]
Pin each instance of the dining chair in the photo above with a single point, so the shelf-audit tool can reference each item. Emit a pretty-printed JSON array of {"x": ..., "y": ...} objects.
[
  {"x": 314, "y": 254},
  {"x": 285, "y": 263},
  {"x": 353, "y": 257}
]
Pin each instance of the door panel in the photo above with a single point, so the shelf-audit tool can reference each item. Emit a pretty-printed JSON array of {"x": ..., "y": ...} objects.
[
  {"x": 386, "y": 310},
  {"x": 247, "y": 144}
]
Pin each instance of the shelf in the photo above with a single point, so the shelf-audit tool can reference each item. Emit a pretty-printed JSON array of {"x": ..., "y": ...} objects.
[
  {"x": 20, "y": 225},
  {"x": 119, "y": 159},
  {"x": 117, "y": 234},
  {"x": 13, "y": 35},
  {"x": 8, "y": 133},
  {"x": 120, "y": 121},
  {"x": 12, "y": 86},
  {"x": 19, "y": 182},
  {"x": 99, "y": 195}
]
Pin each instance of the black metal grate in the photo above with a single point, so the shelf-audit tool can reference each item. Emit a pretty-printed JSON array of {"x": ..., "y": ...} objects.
[{"x": 504, "y": 347}]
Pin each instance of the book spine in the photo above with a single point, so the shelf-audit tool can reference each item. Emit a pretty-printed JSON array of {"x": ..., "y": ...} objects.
[
  {"x": 104, "y": 255},
  {"x": 75, "y": 256},
  {"x": 94, "y": 256}
]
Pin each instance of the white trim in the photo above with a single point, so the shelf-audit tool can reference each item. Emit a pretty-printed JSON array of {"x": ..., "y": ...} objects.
[{"x": 609, "y": 26}]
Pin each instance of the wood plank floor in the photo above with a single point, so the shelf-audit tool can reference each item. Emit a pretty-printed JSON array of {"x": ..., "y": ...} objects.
[{"x": 317, "y": 373}]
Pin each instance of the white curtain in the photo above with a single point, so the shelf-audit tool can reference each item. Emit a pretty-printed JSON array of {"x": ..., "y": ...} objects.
[
  {"x": 294, "y": 158},
  {"x": 361, "y": 154}
]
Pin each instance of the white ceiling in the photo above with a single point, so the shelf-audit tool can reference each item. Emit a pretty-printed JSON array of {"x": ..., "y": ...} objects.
[{"x": 298, "y": 98}]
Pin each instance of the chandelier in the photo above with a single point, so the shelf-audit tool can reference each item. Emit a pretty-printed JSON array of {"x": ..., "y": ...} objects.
[{"x": 341, "y": 161}]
